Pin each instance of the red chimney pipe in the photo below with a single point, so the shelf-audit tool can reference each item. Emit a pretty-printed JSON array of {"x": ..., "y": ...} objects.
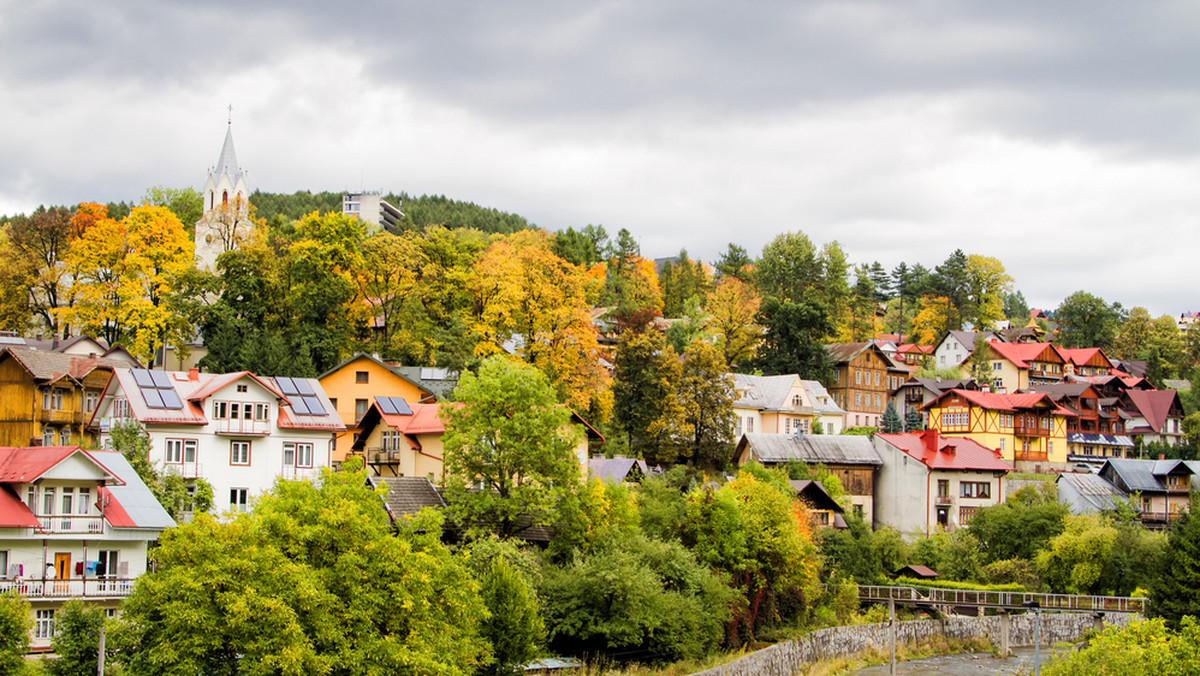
[
  {"x": 193, "y": 374},
  {"x": 930, "y": 437}
]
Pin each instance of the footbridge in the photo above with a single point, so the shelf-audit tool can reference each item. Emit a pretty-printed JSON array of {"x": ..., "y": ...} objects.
[{"x": 983, "y": 599}]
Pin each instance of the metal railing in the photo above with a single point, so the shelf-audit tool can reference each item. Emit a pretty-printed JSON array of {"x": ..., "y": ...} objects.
[
  {"x": 1006, "y": 600},
  {"x": 74, "y": 588},
  {"x": 242, "y": 426}
]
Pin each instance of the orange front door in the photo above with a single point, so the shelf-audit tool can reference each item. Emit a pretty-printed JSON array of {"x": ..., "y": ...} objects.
[{"x": 62, "y": 571}]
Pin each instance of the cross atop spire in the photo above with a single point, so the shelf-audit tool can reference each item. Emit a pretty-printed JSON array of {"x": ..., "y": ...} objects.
[{"x": 231, "y": 114}]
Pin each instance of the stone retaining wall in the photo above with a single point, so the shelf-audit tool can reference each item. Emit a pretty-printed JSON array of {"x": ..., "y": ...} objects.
[{"x": 787, "y": 659}]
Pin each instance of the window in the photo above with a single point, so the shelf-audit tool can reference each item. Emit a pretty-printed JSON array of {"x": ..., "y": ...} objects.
[
  {"x": 360, "y": 376},
  {"x": 975, "y": 489},
  {"x": 239, "y": 499},
  {"x": 289, "y": 455},
  {"x": 235, "y": 411},
  {"x": 1002, "y": 449},
  {"x": 333, "y": 402},
  {"x": 877, "y": 379},
  {"x": 943, "y": 488},
  {"x": 44, "y": 624},
  {"x": 3, "y": 563},
  {"x": 84, "y": 504},
  {"x": 787, "y": 425},
  {"x": 52, "y": 399},
  {"x": 174, "y": 451},
  {"x": 47, "y": 436},
  {"x": 737, "y": 427},
  {"x": 239, "y": 452},
  {"x": 120, "y": 408},
  {"x": 220, "y": 410},
  {"x": 858, "y": 398},
  {"x": 858, "y": 377},
  {"x": 750, "y": 425},
  {"x": 91, "y": 398},
  {"x": 304, "y": 455},
  {"x": 996, "y": 366},
  {"x": 189, "y": 450},
  {"x": 242, "y": 388},
  {"x": 360, "y": 409},
  {"x": 965, "y": 514},
  {"x": 64, "y": 437},
  {"x": 261, "y": 411},
  {"x": 876, "y": 400}
]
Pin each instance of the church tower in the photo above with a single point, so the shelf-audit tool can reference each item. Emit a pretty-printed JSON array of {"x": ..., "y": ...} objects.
[{"x": 226, "y": 220}]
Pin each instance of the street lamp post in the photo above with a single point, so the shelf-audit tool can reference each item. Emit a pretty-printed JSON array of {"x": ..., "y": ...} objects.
[{"x": 1037, "y": 635}]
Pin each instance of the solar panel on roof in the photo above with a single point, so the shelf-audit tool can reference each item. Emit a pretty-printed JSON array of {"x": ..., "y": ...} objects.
[
  {"x": 303, "y": 386},
  {"x": 142, "y": 378},
  {"x": 152, "y": 397},
  {"x": 170, "y": 399},
  {"x": 394, "y": 405},
  {"x": 314, "y": 405},
  {"x": 299, "y": 405},
  {"x": 286, "y": 385},
  {"x": 160, "y": 379}
]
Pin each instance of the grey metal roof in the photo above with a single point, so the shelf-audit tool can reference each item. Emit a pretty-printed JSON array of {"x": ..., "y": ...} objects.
[
  {"x": 765, "y": 392},
  {"x": 1088, "y": 492},
  {"x": 822, "y": 402},
  {"x": 812, "y": 449},
  {"x": 1099, "y": 439},
  {"x": 134, "y": 497},
  {"x": 227, "y": 164},
  {"x": 615, "y": 469},
  {"x": 1143, "y": 475}
]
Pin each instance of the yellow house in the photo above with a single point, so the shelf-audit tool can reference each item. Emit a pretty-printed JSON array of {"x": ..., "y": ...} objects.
[
  {"x": 353, "y": 384},
  {"x": 1018, "y": 366},
  {"x": 1028, "y": 428},
  {"x": 399, "y": 439}
]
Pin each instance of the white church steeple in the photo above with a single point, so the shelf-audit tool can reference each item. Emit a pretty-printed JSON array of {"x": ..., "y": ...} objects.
[{"x": 225, "y": 222}]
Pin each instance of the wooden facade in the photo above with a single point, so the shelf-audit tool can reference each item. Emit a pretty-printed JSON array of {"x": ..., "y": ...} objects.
[
  {"x": 1023, "y": 427},
  {"x": 47, "y": 399},
  {"x": 860, "y": 382}
]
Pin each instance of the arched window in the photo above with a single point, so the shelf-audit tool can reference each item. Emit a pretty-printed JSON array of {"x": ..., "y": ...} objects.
[{"x": 224, "y": 198}]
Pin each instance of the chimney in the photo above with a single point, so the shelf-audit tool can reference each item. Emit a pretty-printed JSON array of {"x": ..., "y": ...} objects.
[
  {"x": 194, "y": 374},
  {"x": 930, "y": 438},
  {"x": 1162, "y": 456}
]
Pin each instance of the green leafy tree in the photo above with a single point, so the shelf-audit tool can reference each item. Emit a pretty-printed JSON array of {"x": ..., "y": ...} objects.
[
  {"x": 681, "y": 280},
  {"x": 794, "y": 341},
  {"x": 311, "y": 581},
  {"x": 1085, "y": 320},
  {"x": 734, "y": 262},
  {"x": 642, "y": 388},
  {"x": 1020, "y": 526},
  {"x": 1175, "y": 593},
  {"x": 891, "y": 419},
  {"x": 636, "y": 596},
  {"x": 76, "y": 639},
  {"x": 16, "y": 621},
  {"x": 511, "y": 436},
  {"x": 186, "y": 203},
  {"x": 1016, "y": 308},
  {"x": 705, "y": 394},
  {"x": 1142, "y": 648},
  {"x": 1073, "y": 561},
  {"x": 514, "y": 628}
]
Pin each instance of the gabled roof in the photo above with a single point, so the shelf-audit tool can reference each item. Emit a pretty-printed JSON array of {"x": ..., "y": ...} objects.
[
  {"x": 407, "y": 494},
  {"x": 131, "y": 504},
  {"x": 810, "y": 448},
  {"x": 814, "y": 493},
  {"x": 402, "y": 372},
  {"x": 952, "y": 453},
  {"x": 846, "y": 352},
  {"x": 767, "y": 393},
  {"x": 1058, "y": 391},
  {"x": 819, "y": 397},
  {"x": 1004, "y": 402},
  {"x": 1144, "y": 476},
  {"x": 1020, "y": 354},
  {"x": 24, "y": 464},
  {"x": 51, "y": 366},
  {"x": 937, "y": 386},
  {"x": 1095, "y": 492},
  {"x": 1086, "y": 356},
  {"x": 1155, "y": 406},
  {"x": 967, "y": 338}
]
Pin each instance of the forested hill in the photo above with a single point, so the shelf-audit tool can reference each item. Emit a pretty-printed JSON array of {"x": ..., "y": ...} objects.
[{"x": 419, "y": 211}]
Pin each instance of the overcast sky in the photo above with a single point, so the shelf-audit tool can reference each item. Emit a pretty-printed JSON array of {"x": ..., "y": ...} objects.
[{"x": 1061, "y": 137}]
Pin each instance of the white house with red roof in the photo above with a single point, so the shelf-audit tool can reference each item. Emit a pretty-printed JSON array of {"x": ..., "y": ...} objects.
[
  {"x": 74, "y": 524},
  {"x": 929, "y": 481},
  {"x": 238, "y": 431}
]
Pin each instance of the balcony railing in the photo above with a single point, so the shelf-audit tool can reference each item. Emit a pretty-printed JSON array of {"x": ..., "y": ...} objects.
[
  {"x": 1030, "y": 430},
  {"x": 49, "y": 415},
  {"x": 242, "y": 427},
  {"x": 381, "y": 456},
  {"x": 65, "y": 589},
  {"x": 75, "y": 523},
  {"x": 943, "y": 500},
  {"x": 1040, "y": 456}
]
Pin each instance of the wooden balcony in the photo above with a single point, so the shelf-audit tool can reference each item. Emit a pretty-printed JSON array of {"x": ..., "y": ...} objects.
[
  {"x": 1030, "y": 430},
  {"x": 59, "y": 417},
  {"x": 1039, "y": 456},
  {"x": 93, "y": 587},
  {"x": 381, "y": 456}
]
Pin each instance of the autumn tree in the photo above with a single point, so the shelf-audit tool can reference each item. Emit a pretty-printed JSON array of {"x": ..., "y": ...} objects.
[
  {"x": 631, "y": 284},
  {"x": 15, "y": 279},
  {"x": 186, "y": 203},
  {"x": 732, "y": 312},
  {"x": 933, "y": 320},
  {"x": 680, "y": 280},
  {"x": 40, "y": 244},
  {"x": 705, "y": 394},
  {"x": 987, "y": 282},
  {"x": 645, "y": 402},
  {"x": 512, "y": 437}
]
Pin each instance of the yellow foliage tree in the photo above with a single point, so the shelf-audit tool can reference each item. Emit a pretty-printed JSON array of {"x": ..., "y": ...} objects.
[
  {"x": 732, "y": 309},
  {"x": 932, "y": 319}
]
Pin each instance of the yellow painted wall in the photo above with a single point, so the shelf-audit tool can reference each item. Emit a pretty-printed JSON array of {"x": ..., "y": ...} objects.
[{"x": 342, "y": 387}]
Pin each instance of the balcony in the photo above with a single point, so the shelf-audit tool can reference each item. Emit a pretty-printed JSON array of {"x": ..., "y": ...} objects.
[
  {"x": 1030, "y": 430},
  {"x": 943, "y": 500},
  {"x": 242, "y": 428},
  {"x": 59, "y": 417},
  {"x": 106, "y": 587},
  {"x": 89, "y": 524},
  {"x": 1035, "y": 456},
  {"x": 381, "y": 456}
]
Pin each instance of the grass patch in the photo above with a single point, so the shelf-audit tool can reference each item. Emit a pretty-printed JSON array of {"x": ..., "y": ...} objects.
[{"x": 1030, "y": 476}]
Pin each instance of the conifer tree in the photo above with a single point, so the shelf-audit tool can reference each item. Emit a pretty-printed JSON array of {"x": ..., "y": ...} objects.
[
  {"x": 891, "y": 419},
  {"x": 913, "y": 422}
]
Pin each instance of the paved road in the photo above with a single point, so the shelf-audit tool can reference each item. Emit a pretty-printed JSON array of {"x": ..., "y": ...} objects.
[{"x": 964, "y": 665}]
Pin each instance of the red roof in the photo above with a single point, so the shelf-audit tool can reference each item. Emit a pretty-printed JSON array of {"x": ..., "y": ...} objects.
[
  {"x": 953, "y": 453},
  {"x": 13, "y": 512},
  {"x": 1005, "y": 402},
  {"x": 1154, "y": 405},
  {"x": 113, "y": 511},
  {"x": 1021, "y": 354},
  {"x": 1080, "y": 356}
]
